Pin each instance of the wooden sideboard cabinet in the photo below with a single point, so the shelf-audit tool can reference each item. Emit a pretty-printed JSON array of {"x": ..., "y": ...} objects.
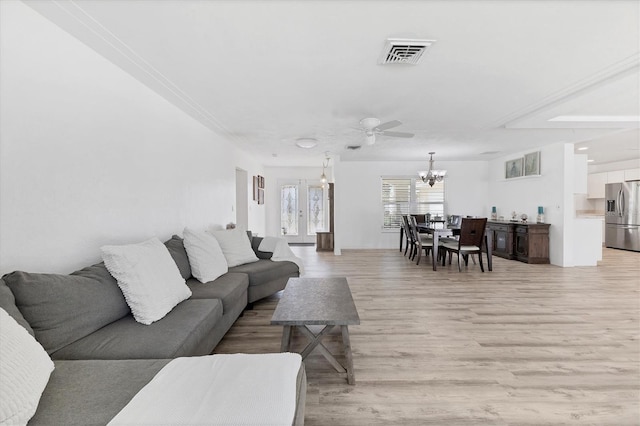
[{"x": 526, "y": 242}]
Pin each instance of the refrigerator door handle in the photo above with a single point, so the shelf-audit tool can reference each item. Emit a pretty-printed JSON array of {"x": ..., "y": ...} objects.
[
  {"x": 618, "y": 201},
  {"x": 623, "y": 207}
]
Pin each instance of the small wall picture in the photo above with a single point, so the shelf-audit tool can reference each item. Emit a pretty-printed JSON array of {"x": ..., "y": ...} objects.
[
  {"x": 261, "y": 196},
  {"x": 532, "y": 164},
  {"x": 513, "y": 168},
  {"x": 256, "y": 187}
]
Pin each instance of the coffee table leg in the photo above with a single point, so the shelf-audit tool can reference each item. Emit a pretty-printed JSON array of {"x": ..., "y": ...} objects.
[
  {"x": 286, "y": 338},
  {"x": 351, "y": 378}
]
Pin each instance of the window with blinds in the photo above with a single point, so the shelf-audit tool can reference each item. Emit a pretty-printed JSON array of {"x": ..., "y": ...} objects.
[{"x": 401, "y": 196}]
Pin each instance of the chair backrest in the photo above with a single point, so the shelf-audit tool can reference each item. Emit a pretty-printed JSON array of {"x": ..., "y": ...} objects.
[
  {"x": 472, "y": 231},
  {"x": 413, "y": 226},
  {"x": 407, "y": 228},
  {"x": 420, "y": 218}
]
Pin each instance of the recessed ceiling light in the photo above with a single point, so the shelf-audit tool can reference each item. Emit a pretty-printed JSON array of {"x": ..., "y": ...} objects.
[
  {"x": 597, "y": 118},
  {"x": 306, "y": 143},
  {"x": 590, "y": 161},
  {"x": 583, "y": 148}
]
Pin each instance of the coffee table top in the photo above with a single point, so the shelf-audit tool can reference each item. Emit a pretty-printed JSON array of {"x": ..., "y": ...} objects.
[{"x": 316, "y": 301}]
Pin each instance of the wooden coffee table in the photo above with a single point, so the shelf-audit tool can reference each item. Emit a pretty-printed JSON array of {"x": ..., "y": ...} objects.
[{"x": 318, "y": 301}]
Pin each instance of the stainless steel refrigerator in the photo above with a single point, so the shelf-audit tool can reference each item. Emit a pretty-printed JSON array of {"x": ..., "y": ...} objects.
[{"x": 622, "y": 215}]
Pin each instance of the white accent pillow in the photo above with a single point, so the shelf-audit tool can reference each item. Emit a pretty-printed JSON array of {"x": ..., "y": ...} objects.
[
  {"x": 205, "y": 255},
  {"x": 25, "y": 368},
  {"x": 236, "y": 246},
  {"x": 148, "y": 277}
]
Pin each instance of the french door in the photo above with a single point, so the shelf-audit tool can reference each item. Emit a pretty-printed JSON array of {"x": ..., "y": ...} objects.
[{"x": 303, "y": 210}]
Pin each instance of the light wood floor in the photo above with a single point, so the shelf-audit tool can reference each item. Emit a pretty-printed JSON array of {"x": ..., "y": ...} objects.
[{"x": 522, "y": 345}]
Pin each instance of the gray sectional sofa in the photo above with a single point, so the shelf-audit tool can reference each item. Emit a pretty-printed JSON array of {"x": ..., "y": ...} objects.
[{"x": 102, "y": 355}]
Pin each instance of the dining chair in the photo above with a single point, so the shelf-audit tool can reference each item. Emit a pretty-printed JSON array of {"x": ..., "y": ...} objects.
[
  {"x": 469, "y": 242},
  {"x": 408, "y": 235},
  {"x": 422, "y": 241}
]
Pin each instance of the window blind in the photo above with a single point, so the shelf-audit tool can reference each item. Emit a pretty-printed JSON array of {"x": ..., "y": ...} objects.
[{"x": 402, "y": 196}]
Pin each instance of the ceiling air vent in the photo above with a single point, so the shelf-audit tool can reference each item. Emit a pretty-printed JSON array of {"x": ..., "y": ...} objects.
[
  {"x": 353, "y": 147},
  {"x": 404, "y": 50}
]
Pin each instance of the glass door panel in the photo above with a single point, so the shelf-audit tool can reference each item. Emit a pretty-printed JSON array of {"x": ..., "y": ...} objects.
[{"x": 303, "y": 211}]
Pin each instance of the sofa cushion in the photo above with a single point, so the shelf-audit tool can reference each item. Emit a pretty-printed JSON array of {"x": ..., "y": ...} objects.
[
  {"x": 182, "y": 332},
  {"x": 236, "y": 246},
  {"x": 205, "y": 255},
  {"x": 263, "y": 271},
  {"x": 230, "y": 288},
  {"x": 24, "y": 372},
  {"x": 62, "y": 308},
  {"x": 8, "y": 303},
  {"x": 255, "y": 243},
  {"x": 148, "y": 277},
  {"x": 177, "y": 251},
  {"x": 92, "y": 392}
]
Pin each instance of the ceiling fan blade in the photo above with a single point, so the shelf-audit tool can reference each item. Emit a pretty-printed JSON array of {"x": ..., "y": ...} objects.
[
  {"x": 388, "y": 125},
  {"x": 398, "y": 134}
]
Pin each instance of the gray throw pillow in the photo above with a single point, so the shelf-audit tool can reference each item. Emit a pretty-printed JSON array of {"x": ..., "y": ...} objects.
[
  {"x": 64, "y": 308},
  {"x": 177, "y": 251}
]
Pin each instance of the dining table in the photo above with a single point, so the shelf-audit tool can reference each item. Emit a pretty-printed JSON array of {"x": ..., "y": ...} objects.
[{"x": 450, "y": 230}]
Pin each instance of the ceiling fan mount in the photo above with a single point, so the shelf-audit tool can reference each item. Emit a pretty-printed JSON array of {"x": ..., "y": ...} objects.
[{"x": 372, "y": 127}]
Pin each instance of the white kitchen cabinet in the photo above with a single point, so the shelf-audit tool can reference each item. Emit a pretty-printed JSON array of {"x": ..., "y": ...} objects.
[
  {"x": 615, "y": 177},
  {"x": 632, "y": 174},
  {"x": 595, "y": 184}
]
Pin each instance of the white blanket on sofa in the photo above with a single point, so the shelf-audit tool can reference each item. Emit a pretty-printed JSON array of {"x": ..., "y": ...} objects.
[
  {"x": 281, "y": 251},
  {"x": 235, "y": 389}
]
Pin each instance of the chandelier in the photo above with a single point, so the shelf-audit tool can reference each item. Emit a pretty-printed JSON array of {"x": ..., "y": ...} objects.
[{"x": 432, "y": 176}]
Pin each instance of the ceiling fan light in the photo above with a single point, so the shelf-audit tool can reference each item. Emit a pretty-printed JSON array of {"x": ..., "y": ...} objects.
[
  {"x": 370, "y": 139},
  {"x": 306, "y": 143}
]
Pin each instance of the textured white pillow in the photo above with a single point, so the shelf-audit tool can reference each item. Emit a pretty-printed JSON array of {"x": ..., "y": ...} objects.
[
  {"x": 25, "y": 368},
  {"x": 148, "y": 277},
  {"x": 236, "y": 246},
  {"x": 205, "y": 255}
]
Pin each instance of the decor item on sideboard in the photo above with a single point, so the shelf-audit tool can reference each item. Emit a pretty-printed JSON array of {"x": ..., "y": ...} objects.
[
  {"x": 540, "y": 218},
  {"x": 513, "y": 168},
  {"x": 494, "y": 213},
  {"x": 532, "y": 164},
  {"x": 432, "y": 176},
  {"x": 524, "y": 217}
]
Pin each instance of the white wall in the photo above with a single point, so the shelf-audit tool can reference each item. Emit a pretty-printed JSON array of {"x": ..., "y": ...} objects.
[
  {"x": 359, "y": 209},
  {"x": 89, "y": 156},
  {"x": 525, "y": 194}
]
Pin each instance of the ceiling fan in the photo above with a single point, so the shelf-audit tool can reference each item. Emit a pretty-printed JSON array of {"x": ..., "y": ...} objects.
[{"x": 372, "y": 127}]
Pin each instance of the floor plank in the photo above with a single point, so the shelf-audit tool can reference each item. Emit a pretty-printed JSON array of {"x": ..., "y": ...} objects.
[{"x": 522, "y": 345}]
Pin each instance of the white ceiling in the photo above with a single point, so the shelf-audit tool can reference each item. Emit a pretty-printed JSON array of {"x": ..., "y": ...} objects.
[{"x": 264, "y": 73}]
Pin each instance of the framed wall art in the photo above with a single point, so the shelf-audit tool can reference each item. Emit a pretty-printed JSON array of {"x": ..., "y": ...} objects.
[
  {"x": 532, "y": 164},
  {"x": 513, "y": 168}
]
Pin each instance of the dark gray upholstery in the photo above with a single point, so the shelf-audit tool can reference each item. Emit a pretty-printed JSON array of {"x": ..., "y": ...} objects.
[
  {"x": 266, "y": 277},
  {"x": 230, "y": 288},
  {"x": 183, "y": 332},
  {"x": 8, "y": 303},
  {"x": 263, "y": 271},
  {"x": 255, "y": 243},
  {"x": 92, "y": 392},
  {"x": 62, "y": 308},
  {"x": 177, "y": 251}
]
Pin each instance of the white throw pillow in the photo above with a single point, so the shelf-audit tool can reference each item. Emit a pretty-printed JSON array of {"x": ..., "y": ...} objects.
[
  {"x": 236, "y": 246},
  {"x": 205, "y": 255},
  {"x": 25, "y": 368},
  {"x": 148, "y": 277}
]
